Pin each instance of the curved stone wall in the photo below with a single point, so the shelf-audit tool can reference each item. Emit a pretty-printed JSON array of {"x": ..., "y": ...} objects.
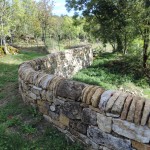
[{"x": 101, "y": 119}]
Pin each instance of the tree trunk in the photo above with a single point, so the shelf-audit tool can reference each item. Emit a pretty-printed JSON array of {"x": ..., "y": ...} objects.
[
  {"x": 146, "y": 36},
  {"x": 125, "y": 45},
  {"x": 5, "y": 47},
  {"x": 119, "y": 44},
  {"x": 145, "y": 50}
]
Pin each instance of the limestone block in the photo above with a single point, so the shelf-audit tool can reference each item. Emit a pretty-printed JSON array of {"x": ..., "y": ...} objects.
[
  {"x": 104, "y": 123},
  {"x": 146, "y": 112},
  {"x": 118, "y": 105},
  {"x": 104, "y": 99},
  {"x": 140, "y": 146},
  {"x": 70, "y": 89},
  {"x": 90, "y": 94},
  {"x": 39, "y": 78},
  {"x": 131, "y": 131},
  {"x": 32, "y": 95},
  {"x": 78, "y": 126},
  {"x": 131, "y": 112},
  {"x": 55, "y": 122},
  {"x": 86, "y": 86},
  {"x": 126, "y": 107},
  {"x": 43, "y": 94},
  {"x": 102, "y": 138},
  {"x": 96, "y": 97},
  {"x": 149, "y": 122},
  {"x": 112, "y": 100},
  {"x": 43, "y": 110},
  {"x": 138, "y": 111},
  {"x": 85, "y": 92},
  {"x": 53, "y": 115},
  {"x": 89, "y": 117},
  {"x": 95, "y": 109},
  {"x": 44, "y": 81},
  {"x": 36, "y": 91},
  {"x": 49, "y": 96},
  {"x": 59, "y": 101},
  {"x": 72, "y": 110},
  {"x": 64, "y": 119}
]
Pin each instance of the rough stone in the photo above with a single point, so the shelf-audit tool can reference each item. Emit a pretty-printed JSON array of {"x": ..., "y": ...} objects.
[
  {"x": 104, "y": 123},
  {"x": 78, "y": 126},
  {"x": 58, "y": 101},
  {"x": 49, "y": 96},
  {"x": 126, "y": 107},
  {"x": 140, "y": 146},
  {"x": 32, "y": 95},
  {"x": 43, "y": 94},
  {"x": 146, "y": 112},
  {"x": 89, "y": 116},
  {"x": 132, "y": 131},
  {"x": 96, "y": 97},
  {"x": 118, "y": 105},
  {"x": 104, "y": 99},
  {"x": 95, "y": 109},
  {"x": 64, "y": 119},
  {"x": 138, "y": 111},
  {"x": 39, "y": 78},
  {"x": 90, "y": 94},
  {"x": 149, "y": 122},
  {"x": 131, "y": 112},
  {"x": 53, "y": 115},
  {"x": 55, "y": 122},
  {"x": 46, "y": 80},
  {"x": 85, "y": 93},
  {"x": 70, "y": 89},
  {"x": 112, "y": 100},
  {"x": 52, "y": 108},
  {"x": 43, "y": 110},
  {"x": 102, "y": 138},
  {"x": 72, "y": 110}
]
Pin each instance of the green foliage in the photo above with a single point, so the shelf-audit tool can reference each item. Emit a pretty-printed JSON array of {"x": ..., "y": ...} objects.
[{"x": 111, "y": 71}]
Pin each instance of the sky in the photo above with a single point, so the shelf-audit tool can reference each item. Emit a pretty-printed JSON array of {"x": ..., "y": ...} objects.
[{"x": 59, "y": 8}]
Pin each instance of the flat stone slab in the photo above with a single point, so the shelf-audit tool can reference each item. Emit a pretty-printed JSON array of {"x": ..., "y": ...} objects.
[
  {"x": 138, "y": 111},
  {"x": 96, "y": 97},
  {"x": 146, "y": 112},
  {"x": 70, "y": 89},
  {"x": 102, "y": 138},
  {"x": 72, "y": 110},
  {"x": 132, "y": 131},
  {"x": 126, "y": 107},
  {"x": 104, "y": 99},
  {"x": 118, "y": 105},
  {"x": 104, "y": 123},
  {"x": 132, "y": 108},
  {"x": 90, "y": 94},
  {"x": 89, "y": 116},
  {"x": 85, "y": 92},
  {"x": 112, "y": 100}
]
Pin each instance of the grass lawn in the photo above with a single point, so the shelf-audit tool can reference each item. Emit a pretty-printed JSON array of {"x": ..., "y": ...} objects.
[
  {"x": 22, "y": 127},
  {"x": 112, "y": 71}
]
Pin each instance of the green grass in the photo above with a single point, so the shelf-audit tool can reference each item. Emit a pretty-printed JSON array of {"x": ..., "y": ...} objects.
[
  {"x": 111, "y": 71},
  {"x": 21, "y": 126}
]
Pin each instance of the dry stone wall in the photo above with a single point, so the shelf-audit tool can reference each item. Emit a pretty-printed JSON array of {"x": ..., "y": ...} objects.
[{"x": 101, "y": 119}]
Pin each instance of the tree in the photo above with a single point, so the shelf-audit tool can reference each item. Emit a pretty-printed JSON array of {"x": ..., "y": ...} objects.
[
  {"x": 117, "y": 21},
  {"x": 4, "y": 25},
  {"x": 44, "y": 15}
]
